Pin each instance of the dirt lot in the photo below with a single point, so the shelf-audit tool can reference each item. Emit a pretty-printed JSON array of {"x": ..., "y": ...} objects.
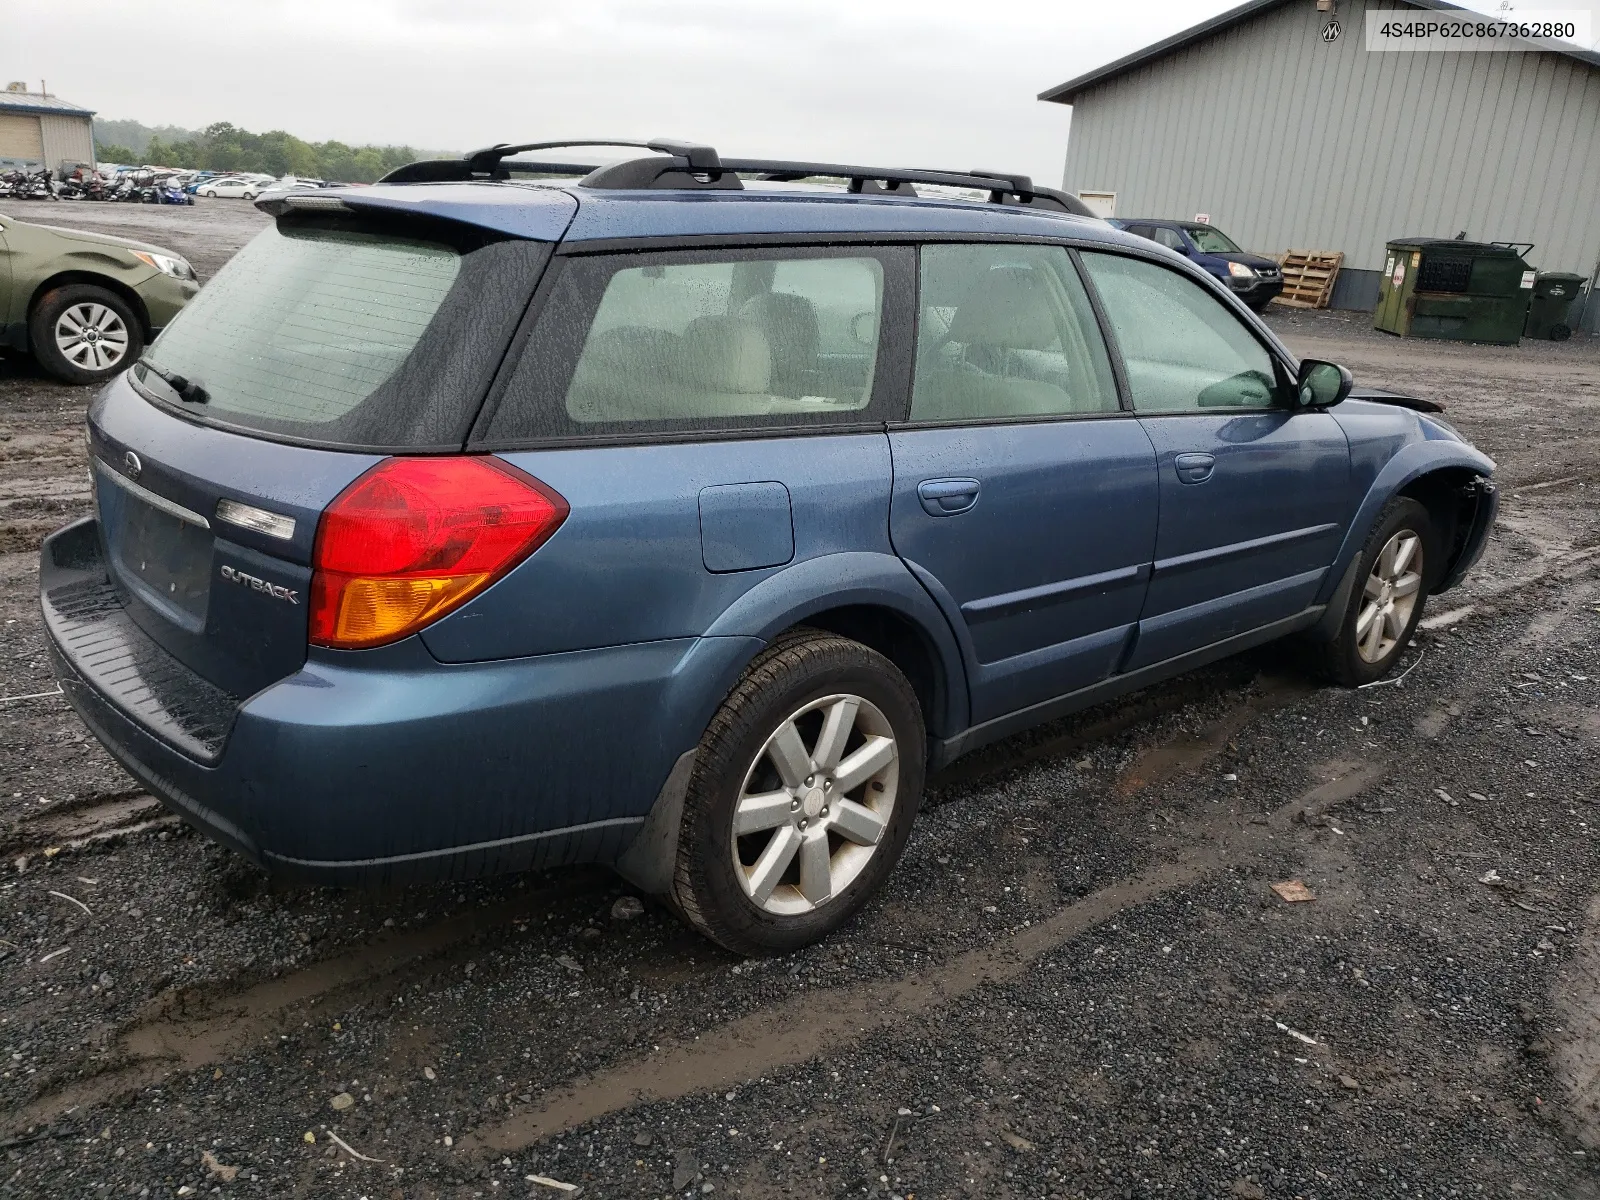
[{"x": 1077, "y": 984}]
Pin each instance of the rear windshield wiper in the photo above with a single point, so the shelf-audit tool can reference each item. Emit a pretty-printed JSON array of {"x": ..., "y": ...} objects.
[{"x": 188, "y": 391}]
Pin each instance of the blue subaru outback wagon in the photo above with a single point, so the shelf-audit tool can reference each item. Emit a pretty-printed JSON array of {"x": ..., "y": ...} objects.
[{"x": 683, "y": 516}]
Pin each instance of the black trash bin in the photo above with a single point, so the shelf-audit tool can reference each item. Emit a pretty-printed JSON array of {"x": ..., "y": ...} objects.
[{"x": 1553, "y": 294}]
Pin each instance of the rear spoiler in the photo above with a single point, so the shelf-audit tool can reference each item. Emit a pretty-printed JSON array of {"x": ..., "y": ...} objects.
[{"x": 1379, "y": 396}]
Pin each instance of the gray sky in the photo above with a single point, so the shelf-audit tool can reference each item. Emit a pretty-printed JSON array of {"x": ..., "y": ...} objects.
[{"x": 905, "y": 82}]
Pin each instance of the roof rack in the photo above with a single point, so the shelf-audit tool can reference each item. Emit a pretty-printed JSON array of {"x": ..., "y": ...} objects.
[{"x": 690, "y": 165}]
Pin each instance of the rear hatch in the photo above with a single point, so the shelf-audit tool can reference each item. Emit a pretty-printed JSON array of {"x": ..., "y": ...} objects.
[{"x": 331, "y": 341}]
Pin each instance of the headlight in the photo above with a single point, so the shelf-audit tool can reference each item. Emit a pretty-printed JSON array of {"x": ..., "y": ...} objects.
[
  {"x": 1240, "y": 271},
  {"x": 176, "y": 267}
]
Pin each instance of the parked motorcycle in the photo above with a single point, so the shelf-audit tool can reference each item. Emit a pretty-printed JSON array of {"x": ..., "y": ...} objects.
[
  {"x": 29, "y": 185},
  {"x": 171, "y": 193}
]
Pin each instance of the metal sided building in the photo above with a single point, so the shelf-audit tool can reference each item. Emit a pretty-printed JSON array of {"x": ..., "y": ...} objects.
[
  {"x": 38, "y": 130},
  {"x": 1289, "y": 135}
]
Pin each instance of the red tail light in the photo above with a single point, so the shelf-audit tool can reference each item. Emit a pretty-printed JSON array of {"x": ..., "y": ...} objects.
[{"x": 414, "y": 538}]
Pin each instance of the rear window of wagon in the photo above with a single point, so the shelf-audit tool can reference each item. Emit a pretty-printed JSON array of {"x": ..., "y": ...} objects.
[{"x": 350, "y": 333}]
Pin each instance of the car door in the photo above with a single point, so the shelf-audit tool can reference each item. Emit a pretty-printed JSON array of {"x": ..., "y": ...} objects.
[
  {"x": 1024, "y": 497},
  {"x": 1254, "y": 495}
]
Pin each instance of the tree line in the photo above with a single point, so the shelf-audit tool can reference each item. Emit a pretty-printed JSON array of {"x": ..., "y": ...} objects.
[{"x": 224, "y": 147}]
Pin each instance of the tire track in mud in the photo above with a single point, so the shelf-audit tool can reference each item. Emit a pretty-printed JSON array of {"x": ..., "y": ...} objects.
[
  {"x": 817, "y": 1022},
  {"x": 187, "y": 1030},
  {"x": 83, "y": 822},
  {"x": 1575, "y": 1056},
  {"x": 1079, "y": 734},
  {"x": 1186, "y": 752}
]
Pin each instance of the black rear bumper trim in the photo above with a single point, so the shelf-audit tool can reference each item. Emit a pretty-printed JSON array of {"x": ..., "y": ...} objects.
[{"x": 89, "y": 629}]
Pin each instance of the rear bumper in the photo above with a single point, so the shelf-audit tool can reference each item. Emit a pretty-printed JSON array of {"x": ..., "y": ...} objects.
[{"x": 387, "y": 766}]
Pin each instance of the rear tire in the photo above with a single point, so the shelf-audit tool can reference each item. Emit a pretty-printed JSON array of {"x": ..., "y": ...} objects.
[
  {"x": 84, "y": 334},
  {"x": 1398, "y": 565},
  {"x": 803, "y": 794}
]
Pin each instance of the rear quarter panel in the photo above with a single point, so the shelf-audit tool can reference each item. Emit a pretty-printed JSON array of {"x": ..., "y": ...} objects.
[{"x": 628, "y": 564}]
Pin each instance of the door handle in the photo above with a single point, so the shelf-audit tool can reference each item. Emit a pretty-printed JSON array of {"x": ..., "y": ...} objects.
[
  {"x": 947, "y": 497},
  {"x": 1194, "y": 468}
]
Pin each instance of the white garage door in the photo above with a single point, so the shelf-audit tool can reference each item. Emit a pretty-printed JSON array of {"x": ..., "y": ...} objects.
[
  {"x": 20, "y": 137},
  {"x": 1101, "y": 204}
]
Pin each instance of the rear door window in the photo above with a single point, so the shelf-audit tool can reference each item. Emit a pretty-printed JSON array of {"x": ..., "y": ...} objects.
[
  {"x": 349, "y": 333},
  {"x": 709, "y": 341}
]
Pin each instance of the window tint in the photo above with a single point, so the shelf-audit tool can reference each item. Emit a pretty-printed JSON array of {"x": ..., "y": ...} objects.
[
  {"x": 305, "y": 325},
  {"x": 370, "y": 333},
  {"x": 1006, "y": 331},
  {"x": 1183, "y": 351},
  {"x": 729, "y": 340},
  {"x": 700, "y": 340}
]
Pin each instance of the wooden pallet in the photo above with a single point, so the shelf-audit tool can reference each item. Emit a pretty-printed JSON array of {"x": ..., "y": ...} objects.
[{"x": 1308, "y": 277}]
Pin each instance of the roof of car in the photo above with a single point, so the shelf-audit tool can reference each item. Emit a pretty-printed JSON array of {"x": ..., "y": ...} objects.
[{"x": 549, "y": 213}]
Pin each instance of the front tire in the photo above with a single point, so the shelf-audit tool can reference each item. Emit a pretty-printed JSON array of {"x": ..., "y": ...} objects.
[
  {"x": 803, "y": 794},
  {"x": 84, "y": 334},
  {"x": 1398, "y": 564}
]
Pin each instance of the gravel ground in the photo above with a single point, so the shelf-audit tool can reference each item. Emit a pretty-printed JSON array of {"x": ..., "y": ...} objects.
[{"x": 1078, "y": 983}]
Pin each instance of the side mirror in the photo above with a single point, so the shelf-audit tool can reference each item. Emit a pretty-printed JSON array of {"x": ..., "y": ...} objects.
[{"x": 1321, "y": 384}]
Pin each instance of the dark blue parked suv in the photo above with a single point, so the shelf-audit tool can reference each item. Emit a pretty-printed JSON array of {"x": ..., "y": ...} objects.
[
  {"x": 1254, "y": 278},
  {"x": 683, "y": 517}
]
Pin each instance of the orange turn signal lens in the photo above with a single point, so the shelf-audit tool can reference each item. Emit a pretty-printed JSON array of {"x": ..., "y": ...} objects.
[{"x": 369, "y": 612}]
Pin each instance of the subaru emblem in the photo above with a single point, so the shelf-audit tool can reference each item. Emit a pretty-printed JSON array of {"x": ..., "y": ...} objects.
[{"x": 131, "y": 463}]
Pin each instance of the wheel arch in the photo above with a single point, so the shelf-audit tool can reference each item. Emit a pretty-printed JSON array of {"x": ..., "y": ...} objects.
[
  {"x": 121, "y": 290},
  {"x": 1452, "y": 496},
  {"x": 871, "y": 598},
  {"x": 902, "y": 641},
  {"x": 1450, "y": 475}
]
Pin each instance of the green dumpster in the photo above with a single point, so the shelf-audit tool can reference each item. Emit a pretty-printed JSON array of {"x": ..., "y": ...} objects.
[
  {"x": 1448, "y": 288},
  {"x": 1553, "y": 294}
]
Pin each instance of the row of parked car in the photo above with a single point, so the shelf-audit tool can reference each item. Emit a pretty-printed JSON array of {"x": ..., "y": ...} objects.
[
  {"x": 681, "y": 519},
  {"x": 249, "y": 186}
]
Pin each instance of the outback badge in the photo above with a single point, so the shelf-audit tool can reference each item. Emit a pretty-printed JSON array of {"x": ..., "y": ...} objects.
[{"x": 276, "y": 590}]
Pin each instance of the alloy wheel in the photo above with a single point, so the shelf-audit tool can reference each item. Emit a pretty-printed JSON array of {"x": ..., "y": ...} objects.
[
  {"x": 814, "y": 804},
  {"x": 91, "y": 336},
  {"x": 1389, "y": 596}
]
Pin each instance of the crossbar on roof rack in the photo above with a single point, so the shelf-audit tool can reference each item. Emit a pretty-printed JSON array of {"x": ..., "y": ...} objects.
[
  {"x": 489, "y": 163},
  {"x": 679, "y": 164}
]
